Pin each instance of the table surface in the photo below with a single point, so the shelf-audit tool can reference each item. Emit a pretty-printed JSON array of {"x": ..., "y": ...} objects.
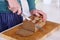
[
  {"x": 4, "y": 37},
  {"x": 49, "y": 28}
]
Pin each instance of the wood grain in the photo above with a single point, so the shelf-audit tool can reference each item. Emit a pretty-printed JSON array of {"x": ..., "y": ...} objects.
[{"x": 49, "y": 28}]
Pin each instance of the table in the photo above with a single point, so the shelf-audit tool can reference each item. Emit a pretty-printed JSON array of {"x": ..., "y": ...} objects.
[{"x": 4, "y": 37}]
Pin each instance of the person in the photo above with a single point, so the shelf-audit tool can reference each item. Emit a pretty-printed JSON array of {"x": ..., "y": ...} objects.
[{"x": 11, "y": 10}]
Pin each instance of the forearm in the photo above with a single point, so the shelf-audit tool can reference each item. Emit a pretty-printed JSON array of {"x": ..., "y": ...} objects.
[{"x": 31, "y": 4}]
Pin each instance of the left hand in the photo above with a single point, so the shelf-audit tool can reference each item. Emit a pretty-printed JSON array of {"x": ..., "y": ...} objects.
[{"x": 38, "y": 12}]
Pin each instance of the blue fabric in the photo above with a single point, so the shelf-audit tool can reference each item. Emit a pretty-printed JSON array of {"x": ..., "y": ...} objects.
[{"x": 8, "y": 20}]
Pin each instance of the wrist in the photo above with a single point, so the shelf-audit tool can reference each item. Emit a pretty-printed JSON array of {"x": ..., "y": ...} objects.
[{"x": 32, "y": 10}]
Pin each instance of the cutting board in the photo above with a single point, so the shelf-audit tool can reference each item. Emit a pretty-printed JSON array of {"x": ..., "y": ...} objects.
[{"x": 49, "y": 28}]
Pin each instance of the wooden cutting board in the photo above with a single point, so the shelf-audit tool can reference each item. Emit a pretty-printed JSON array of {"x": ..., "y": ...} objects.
[{"x": 49, "y": 28}]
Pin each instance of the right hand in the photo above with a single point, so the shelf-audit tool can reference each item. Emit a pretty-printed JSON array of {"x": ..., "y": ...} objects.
[
  {"x": 38, "y": 12},
  {"x": 14, "y": 6}
]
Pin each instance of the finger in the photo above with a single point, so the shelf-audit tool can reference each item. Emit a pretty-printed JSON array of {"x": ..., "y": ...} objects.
[
  {"x": 44, "y": 19},
  {"x": 44, "y": 15},
  {"x": 40, "y": 12},
  {"x": 11, "y": 8},
  {"x": 37, "y": 14},
  {"x": 19, "y": 11},
  {"x": 15, "y": 10}
]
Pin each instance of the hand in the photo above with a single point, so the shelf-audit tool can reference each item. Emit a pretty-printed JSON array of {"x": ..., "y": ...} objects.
[
  {"x": 14, "y": 6},
  {"x": 38, "y": 12}
]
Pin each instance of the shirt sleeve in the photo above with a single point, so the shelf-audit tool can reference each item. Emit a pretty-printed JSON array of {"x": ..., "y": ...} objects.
[{"x": 31, "y": 4}]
